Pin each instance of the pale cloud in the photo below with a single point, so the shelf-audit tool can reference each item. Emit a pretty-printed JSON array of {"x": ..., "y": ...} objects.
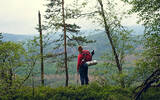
[{"x": 21, "y": 16}]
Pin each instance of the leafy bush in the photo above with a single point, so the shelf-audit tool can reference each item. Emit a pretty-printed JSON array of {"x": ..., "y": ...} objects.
[
  {"x": 151, "y": 94},
  {"x": 89, "y": 92}
]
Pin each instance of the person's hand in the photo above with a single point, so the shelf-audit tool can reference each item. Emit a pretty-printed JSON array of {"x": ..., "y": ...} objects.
[{"x": 92, "y": 52}]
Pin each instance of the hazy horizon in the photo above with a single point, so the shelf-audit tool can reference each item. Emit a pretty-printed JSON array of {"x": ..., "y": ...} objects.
[{"x": 21, "y": 16}]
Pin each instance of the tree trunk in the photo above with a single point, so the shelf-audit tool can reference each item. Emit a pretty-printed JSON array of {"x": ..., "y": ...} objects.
[
  {"x": 41, "y": 50},
  {"x": 32, "y": 85},
  {"x": 10, "y": 77},
  {"x": 3, "y": 70},
  {"x": 153, "y": 78},
  {"x": 65, "y": 50},
  {"x": 110, "y": 40}
]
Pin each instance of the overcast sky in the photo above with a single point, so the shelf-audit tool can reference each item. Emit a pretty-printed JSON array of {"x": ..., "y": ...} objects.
[{"x": 20, "y": 16}]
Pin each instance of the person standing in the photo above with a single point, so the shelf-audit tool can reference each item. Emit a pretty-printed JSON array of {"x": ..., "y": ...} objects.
[{"x": 82, "y": 67}]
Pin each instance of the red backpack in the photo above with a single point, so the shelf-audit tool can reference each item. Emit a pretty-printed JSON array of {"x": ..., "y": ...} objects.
[{"x": 86, "y": 56}]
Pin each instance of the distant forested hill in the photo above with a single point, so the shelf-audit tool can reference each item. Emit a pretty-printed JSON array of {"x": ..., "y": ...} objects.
[
  {"x": 137, "y": 30},
  {"x": 15, "y": 37},
  {"x": 100, "y": 46}
]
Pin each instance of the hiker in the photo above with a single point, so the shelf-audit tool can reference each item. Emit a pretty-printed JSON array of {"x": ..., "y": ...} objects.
[{"x": 82, "y": 67}]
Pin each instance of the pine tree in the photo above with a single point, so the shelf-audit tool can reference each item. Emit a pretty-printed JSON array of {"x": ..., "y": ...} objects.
[
  {"x": 41, "y": 49},
  {"x": 55, "y": 22}
]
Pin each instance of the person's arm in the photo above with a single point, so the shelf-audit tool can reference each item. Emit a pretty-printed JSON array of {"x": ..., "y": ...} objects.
[
  {"x": 78, "y": 63},
  {"x": 92, "y": 53}
]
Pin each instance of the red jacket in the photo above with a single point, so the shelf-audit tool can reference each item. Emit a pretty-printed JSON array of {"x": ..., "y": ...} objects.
[{"x": 80, "y": 57}]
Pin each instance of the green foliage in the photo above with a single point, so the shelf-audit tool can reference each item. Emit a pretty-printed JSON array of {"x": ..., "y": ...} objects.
[
  {"x": 11, "y": 54},
  {"x": 90, "y": 92},
  {"x": 148, "y": 12},
  {"x": 109, "y": 75},
  {"x": 11, "y": 58},
  {"x": 151, "y": 94}
]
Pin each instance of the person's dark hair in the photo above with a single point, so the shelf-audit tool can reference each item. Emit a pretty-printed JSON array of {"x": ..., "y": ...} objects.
[{"x": 80, "y": 48}]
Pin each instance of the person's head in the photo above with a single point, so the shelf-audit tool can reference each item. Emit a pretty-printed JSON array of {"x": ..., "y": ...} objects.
[{"x": 80, "y": 49}]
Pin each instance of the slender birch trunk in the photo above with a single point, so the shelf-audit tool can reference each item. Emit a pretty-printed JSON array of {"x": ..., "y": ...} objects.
[{"x": 110, "y": 40}]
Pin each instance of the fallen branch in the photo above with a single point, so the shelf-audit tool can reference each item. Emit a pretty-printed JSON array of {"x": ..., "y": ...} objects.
[{"x": 153, "y": 78}]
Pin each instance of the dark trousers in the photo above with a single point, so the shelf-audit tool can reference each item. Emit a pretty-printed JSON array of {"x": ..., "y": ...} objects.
[{"x": 83, "y": 71}]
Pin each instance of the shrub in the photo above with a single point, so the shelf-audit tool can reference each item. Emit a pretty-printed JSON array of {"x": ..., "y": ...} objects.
[{"x": 89, "y": 92}]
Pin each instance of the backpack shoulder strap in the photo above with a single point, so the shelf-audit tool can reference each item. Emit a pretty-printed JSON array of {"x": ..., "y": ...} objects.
[{"x": 84, "y": 56}]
